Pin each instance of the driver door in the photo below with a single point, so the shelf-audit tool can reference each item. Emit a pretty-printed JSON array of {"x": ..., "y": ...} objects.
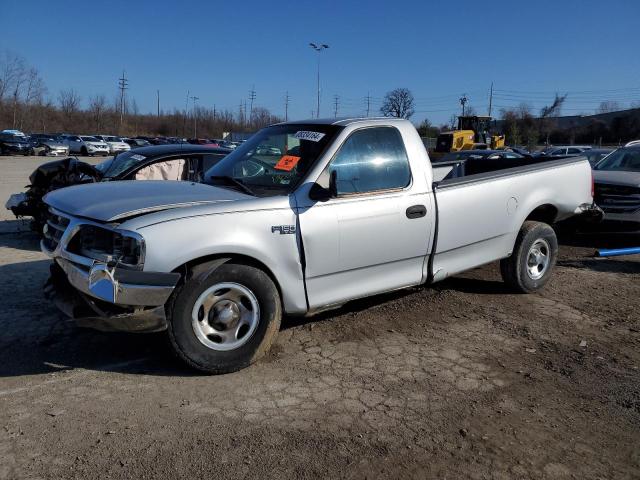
[{"x": 373, "y": 236}]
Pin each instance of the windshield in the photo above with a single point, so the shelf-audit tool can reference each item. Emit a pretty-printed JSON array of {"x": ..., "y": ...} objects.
[
  {"x": 121, "y": 163},
  {"x": 90, "y": 139},
  {"x": 624, "y": 159},
  {"x": 113, "y": 139},
  {"x": 275, "y": 159}
]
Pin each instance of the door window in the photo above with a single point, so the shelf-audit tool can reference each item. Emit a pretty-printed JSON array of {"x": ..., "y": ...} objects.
[{"x": 370, "y": 160}]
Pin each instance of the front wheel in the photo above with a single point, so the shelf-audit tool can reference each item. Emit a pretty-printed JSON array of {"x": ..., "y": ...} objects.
[
  {"x": 226, "y": 321},
  {"x": 534, "y": 255}
]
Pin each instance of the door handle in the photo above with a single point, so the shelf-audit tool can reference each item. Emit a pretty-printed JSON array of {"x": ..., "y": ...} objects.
[{"x": 416, "y": 211}]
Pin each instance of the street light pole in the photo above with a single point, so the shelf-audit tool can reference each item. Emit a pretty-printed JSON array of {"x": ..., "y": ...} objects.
[
  {"x": 318, "y": 48},
  {"x": 195, "y": 117}
]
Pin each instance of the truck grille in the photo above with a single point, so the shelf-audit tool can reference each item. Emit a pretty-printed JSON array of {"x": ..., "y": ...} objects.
[
  {"x": 617, "y": 198},
  {"x": 54, "y": 229}
]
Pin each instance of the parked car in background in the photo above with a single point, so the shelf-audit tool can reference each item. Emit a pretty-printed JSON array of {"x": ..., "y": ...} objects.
[
  {"x": 563, "y": 150},
  {"x": 85, "y": 145},
  {"x": 116, "y": 144},
  {"x": 14, "y": 132},
  {"x": 46, "y": 144},
  {"x": 203, "y": 141},
  {"x": 163, "y": 162},
  {"x": 12, "y": 143},
  {"x": 594, "y": 155},
  {"x": 479, "y": 154},
  {"x": 617, "y": 188},
  {"x": 136, "y": 142}
]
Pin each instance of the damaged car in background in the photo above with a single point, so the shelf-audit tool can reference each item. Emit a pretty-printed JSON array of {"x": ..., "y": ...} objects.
[{"x": 162, "y": 162}]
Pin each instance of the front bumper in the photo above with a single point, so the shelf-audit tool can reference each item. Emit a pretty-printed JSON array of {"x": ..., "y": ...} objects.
[
  {"x": 120, "y": 286},
  {"x": 110, "y": 302}
]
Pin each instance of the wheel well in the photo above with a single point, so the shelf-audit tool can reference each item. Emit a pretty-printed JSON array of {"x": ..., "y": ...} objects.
[
  {"x": 211, "y": 262},
  {"x": 544, "y": 213}
]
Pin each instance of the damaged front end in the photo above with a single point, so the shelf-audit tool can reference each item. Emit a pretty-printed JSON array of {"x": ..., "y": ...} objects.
[
  {"x": 44, "y": 179},
  {"x": 97, "y": 277}
]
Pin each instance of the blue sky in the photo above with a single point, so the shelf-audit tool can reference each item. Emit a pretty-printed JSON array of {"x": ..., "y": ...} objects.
[{"x": 439, "y": 50}]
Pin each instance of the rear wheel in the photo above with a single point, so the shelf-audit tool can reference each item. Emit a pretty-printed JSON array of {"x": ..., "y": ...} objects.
[
  {"x": 83, "y": 151},
  {"x": 226, "y": 321},
  {"x": 534, "y": 255}
]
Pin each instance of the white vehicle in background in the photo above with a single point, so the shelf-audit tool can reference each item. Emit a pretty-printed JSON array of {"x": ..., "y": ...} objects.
[
  {"x": 116, "y": 144},
  {"x": 85, "y": 145}
]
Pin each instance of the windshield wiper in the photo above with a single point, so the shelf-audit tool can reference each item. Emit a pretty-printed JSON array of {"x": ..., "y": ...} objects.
[{"x": 234, "y": 181}]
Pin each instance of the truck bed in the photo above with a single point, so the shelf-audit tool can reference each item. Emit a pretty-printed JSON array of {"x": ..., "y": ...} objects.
[{"x": 481, "y": 205}]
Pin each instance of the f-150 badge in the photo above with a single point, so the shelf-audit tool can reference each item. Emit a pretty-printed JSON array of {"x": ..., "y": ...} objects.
[{"x": 283, "y": 229}]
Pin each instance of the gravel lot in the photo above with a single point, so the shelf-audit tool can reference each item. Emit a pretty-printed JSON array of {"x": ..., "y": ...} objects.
[{"x": 460, "y": 380}]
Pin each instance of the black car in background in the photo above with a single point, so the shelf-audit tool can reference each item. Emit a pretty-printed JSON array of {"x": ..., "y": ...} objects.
[
  {"x": 136, "y": 142},
  {"x": 163, "y": 162},
  {"x": 12, "y": 144},
  {"x": 594, "y": 155},
  {"x": 480, "y": 154}
]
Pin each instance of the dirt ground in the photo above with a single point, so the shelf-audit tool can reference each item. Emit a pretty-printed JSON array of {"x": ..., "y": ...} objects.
[{"x": 459, "y": 380}]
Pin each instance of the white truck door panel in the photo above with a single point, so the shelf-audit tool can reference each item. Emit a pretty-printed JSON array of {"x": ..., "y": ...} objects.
[{"x": 360, "y": 246}]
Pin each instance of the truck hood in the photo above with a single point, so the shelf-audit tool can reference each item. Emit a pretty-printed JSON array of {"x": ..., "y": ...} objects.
[
  {"x": 113, "y": 201},
  {"x": 617, "y": 177}
]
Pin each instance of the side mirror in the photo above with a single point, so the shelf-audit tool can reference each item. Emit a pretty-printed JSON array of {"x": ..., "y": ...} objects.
[
  {"x": 319, "y": 193},
  {"x": 333, "y": 183}
]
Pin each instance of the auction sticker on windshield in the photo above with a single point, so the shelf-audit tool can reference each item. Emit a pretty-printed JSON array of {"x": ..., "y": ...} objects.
[
  {"x": 287, "y": 162},
  {"x": 136, "y": 156},
  {"x": 306, "y": 135}
]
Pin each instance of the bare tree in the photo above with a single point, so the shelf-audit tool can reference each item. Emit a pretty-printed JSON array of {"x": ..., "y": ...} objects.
[
  {"x": 12, "y": 68},
  {"x": 69, "y": 105},
  {"x": 98, "y": 109},
  {"x": 398, "y": 103},
  {"x": 608, "y": 107},
  {"x": 548, "y": 112}
]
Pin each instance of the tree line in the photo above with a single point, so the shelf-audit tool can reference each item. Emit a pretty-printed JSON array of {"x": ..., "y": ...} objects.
[{"x": 27, "y": 105}]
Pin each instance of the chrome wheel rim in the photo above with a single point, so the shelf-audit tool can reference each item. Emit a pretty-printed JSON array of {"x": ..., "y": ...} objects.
[
  {"x": 225, "y": 316},
  {"x": 538, "y": 259}
]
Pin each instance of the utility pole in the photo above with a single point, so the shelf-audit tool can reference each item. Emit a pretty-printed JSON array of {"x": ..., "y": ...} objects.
[
  {"x": 252, "y": 97},
  {"x": 490, "y": 98},
  {"x": 318, "y": 48},
  {"x": 186, "y": 112},
  {"x": 368, "y": 100},
  {"x": 241, "y": 116},
  {"x": 158, "y": 94},
  {"x": 123, "y": 84},
  {"x": 214, "y": 112},
  {"x": 463, "y": 102},
  {"x": 335, "y": 106},
  {"x": 286, "y": 106},
  {"x": 195, "y": 116}
]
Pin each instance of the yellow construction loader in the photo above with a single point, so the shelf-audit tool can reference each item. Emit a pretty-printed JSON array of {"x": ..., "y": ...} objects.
[{"x": 473, "y": 132}]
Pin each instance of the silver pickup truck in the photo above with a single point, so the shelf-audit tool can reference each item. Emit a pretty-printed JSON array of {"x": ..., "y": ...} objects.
[{"x": 303, "y": 217}]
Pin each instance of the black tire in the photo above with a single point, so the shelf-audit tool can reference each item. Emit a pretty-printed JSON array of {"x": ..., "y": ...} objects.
[
  {"x": 515, "y": 269},
  {"x": 83, "y": 151},
  {"x": 193, "y": 351}
]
